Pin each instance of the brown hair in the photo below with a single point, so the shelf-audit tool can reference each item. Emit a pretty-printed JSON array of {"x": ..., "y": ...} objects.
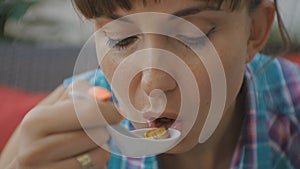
[{"x": 97, "y": 8}]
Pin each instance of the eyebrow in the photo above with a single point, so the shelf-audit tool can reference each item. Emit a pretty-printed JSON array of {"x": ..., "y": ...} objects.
[
  {"x": 191, "y": 11},
  {"x": 181, "y": 13}
]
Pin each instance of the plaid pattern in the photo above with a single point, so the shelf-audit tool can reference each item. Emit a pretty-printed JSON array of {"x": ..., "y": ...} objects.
[{"x": 270, "y": 137}]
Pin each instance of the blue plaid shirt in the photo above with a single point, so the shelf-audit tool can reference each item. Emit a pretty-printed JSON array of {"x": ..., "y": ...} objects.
[{"x": 270, "y": 137}]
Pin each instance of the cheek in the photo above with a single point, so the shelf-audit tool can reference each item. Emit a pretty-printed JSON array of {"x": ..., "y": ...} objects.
[
  {"x": 233, "y": 56},
  {"x": 109, "y": 65},
  {"x": 111, "y": 61},
  {"x": 204, "y": 87},
  {"x": 107, "y": 69}
]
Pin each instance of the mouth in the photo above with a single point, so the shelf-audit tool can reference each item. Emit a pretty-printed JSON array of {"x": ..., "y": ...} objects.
[{"x": 165, "y": 120}]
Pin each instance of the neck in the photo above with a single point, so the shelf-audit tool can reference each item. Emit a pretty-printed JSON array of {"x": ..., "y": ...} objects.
[{"x": 217, "y": 152}]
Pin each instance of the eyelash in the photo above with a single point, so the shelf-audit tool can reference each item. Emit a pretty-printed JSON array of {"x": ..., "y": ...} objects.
[
  {"x": 122, "y": 44},
  {"x": 197, "y": 41}
]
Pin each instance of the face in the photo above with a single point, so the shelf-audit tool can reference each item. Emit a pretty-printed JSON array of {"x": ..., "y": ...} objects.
[{"x": 228, "y": 32}]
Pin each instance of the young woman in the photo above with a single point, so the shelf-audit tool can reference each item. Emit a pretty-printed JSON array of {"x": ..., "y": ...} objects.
[{"x": 260, "y": 124}]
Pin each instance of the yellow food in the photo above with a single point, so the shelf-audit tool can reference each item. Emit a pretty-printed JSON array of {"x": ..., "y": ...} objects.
[{"x": 157, "y": 133}]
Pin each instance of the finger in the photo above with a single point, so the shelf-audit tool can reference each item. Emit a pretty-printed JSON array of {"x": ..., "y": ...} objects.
[
  {"x": 99, "y": 158},
  {"x": 12, "y": 165},
  {"x": 78, "y": 86},
  {"x": 54, "y": 96},
  {"x": 61, "y": 146},
  {"x": 80, "y": 112},
  {"x": 69, "y": 116},
  {"x": 68, "y": 145},
  {"x": 96, "y": 92},
  {"x": 100, "y": 93}
]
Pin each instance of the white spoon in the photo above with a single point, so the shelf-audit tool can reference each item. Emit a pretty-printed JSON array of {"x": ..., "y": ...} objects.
[{"x": 133, "y": 143}]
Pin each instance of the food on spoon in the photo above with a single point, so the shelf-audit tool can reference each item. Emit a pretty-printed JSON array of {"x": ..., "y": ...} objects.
[{"x": 157, "y": 133}]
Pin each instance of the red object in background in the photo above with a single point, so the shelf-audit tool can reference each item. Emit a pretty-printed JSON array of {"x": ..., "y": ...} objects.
[
  {"x": 14, "y": 104},
  {"x": 294, "y": 58}
]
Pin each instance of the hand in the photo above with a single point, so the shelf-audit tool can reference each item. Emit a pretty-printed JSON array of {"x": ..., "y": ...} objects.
[{"x": 52, "y": 137}]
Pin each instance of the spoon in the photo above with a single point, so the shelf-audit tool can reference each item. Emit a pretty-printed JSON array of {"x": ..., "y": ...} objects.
[{"x": 133, "y": 143}]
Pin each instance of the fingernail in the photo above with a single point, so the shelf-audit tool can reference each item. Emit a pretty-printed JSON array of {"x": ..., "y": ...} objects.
[{"x": 100, "y": 93}]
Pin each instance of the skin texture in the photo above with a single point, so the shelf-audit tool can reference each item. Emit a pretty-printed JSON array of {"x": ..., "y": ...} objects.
[
  {"x": 52, "y": 136},
  {"x": 233, "y": 27},
  {"x": 246, "y": 34}
]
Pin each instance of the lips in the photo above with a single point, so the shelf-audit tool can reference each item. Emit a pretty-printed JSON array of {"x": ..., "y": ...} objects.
[{"x": 157, "y": 120}]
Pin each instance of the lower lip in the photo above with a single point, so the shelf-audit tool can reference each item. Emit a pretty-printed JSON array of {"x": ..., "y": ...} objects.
[{"x": 177, "y": 125}]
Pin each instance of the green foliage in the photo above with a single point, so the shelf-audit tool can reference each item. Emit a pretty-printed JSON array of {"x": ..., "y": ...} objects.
[{"x": 12, "y": 9}]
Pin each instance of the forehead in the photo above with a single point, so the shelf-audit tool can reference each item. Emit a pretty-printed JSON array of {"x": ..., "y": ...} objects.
[{"x": 98, "y": 8}]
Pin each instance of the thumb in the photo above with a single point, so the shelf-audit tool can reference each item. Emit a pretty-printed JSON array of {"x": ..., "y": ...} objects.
[{"x": 96, "y": 98}]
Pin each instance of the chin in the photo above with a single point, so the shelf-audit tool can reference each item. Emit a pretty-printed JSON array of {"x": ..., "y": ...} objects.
[{"x": 184, "y": 146}]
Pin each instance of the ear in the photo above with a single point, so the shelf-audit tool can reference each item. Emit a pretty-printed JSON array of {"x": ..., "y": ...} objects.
[{"x": 261, "y": 24}]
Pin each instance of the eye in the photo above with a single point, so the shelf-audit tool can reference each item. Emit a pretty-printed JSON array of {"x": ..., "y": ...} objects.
[
  {"x": 121, "y": 44},
  {"x": 196, "y": 41}
]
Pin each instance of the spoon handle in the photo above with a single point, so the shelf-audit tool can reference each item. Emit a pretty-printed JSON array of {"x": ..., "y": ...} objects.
[{"x": 121, "y": 130}]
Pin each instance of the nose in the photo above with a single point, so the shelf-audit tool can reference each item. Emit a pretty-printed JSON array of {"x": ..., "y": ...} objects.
[
  {"x": 153, "y": 78},
  {"x": 157, "y": 79}
]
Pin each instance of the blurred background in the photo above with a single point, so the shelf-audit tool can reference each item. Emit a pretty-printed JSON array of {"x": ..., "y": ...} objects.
[
  {"x": 39, "y": 42},
  {"x": 41, "y": 39}
]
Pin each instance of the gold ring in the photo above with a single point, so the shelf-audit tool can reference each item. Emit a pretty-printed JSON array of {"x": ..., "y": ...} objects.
[{"x": 85, "y": 161}]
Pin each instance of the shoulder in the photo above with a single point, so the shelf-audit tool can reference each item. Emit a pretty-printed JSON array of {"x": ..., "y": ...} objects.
[
  {"x": 277, "y": 81},
  {"x": 274, "y": 68},
  {"x": 276, "y": 84}
]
